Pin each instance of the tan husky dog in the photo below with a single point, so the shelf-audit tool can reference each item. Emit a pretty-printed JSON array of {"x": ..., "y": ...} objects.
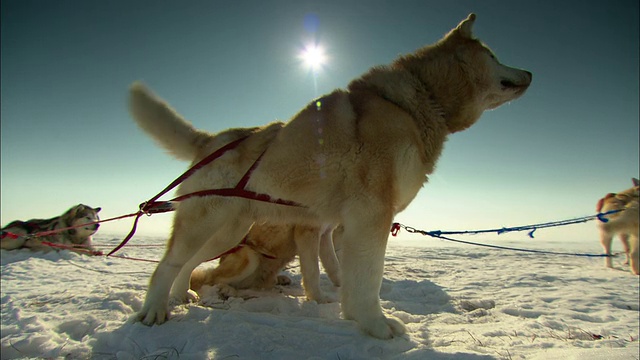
[
  {"x": 265, "y": 252},
  {"x": 354, "y": 157},
  {"x": 624, "y": 224}
]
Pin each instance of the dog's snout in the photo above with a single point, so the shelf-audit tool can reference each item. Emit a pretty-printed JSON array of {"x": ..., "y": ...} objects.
[
  {"x": 519, "y": 80},
  {"x": 525, "y": 78}
]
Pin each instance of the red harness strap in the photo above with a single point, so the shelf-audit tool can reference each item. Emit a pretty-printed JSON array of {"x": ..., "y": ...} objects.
[
  {"x": 242, "y": 244},
  {"x": 153, "y": 206},
  {"x": 10, "y": 235},
  {"x": 239, "y": 191}
]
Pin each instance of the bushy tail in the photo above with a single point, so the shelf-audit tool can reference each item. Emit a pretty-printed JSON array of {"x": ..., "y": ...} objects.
[{"x": 164, "y": 124}]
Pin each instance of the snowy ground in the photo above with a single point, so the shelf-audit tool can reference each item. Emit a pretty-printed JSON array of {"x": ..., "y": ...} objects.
[{"x": 458, "y": 302}]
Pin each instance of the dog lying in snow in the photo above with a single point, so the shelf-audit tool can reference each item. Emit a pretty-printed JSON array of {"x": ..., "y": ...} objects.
[
  {"x": 265, "y": 252},
  {"x": 78, "y": 238}
]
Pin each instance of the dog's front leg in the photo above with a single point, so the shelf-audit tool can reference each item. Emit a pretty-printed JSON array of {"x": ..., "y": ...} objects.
[
  {"x": 362, "y": 262},
  {"x": 605, "y": 241}
]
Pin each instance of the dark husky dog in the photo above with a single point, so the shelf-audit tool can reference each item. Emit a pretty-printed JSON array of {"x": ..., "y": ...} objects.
[{"x": 77, "y": 238}]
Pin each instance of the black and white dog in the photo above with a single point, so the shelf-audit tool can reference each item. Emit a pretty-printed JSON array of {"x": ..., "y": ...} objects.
[{"x": 16, "y": 234}]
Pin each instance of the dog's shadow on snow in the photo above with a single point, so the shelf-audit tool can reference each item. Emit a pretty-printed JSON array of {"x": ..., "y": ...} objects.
[
  {"x": 415, "y": 297},
  {"x": 281, "y": 326},
  {"x": 12, "y": 256}
]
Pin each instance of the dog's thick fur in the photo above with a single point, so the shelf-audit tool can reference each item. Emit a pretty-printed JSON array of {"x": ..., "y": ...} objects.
[
  {"x": 624, "y": 224},
  {"x": 266, "y": 251},
  {"x": 78, "y": 238},
  {"x": 354, "y": 157}
]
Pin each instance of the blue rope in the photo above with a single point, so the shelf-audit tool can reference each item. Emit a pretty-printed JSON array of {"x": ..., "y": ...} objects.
[
  {"x": 517, "y": 249},
  {"x": 531, "y": 228}
]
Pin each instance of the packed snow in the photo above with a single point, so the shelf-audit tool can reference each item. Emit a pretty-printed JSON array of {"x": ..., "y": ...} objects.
[{"x": 457, "y": 301}]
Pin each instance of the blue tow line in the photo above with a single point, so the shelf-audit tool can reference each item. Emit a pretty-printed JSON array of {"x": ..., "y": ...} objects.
[{"x": 531, "y": 228}]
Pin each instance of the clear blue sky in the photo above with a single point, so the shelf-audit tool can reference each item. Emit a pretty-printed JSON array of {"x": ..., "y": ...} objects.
[{"x": 67, "y": 137}]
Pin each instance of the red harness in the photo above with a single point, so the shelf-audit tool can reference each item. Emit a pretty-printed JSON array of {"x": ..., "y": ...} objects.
[{"x": 152, "y": 206}]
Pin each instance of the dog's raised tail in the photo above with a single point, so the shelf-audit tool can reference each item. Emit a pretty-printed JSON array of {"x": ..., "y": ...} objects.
[{"x": 164, "y": 124}]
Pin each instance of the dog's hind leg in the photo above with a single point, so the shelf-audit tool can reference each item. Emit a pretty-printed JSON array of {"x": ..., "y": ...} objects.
[
  {"x": 307, "y": 242},
  {"x": 624, "y": 238},
  {"x": 191, "y": 243},
  {"x": 234, "y": 269},
  {"x": 634, "y": 254},
  {"x": 328, "y": 255},
  {"x": 362, "y": 260},
  {"x": 155, "y": 305},
  {"x": 225, "y": 238}
]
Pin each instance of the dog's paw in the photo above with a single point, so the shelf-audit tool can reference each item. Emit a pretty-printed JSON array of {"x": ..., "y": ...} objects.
[
  {"x": 608, "y": 263},
  {"x": 192, "y": 296},
  {"x": 185, "y": 298},
  {"x": 226, "y": 291},
  {"x": 322, "y": 298},
  {"x": 150, "y": 315},
  {"x": 283, "y": 280},
  {"x": 383, "y": 328}
]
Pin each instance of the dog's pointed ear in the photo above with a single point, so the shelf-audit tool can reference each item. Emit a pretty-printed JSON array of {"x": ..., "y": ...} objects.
[
  {"x": 74, "y": 210},
  {"x": 600, "y": 204},
  {"x": 635, "y": 181},
  {"x": 465, "y": 28},
  {"x": 97, "y": 210}
]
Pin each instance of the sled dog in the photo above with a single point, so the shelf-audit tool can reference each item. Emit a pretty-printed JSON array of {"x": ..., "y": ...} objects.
[
  {"x": 78, "y": 238},
  {"x": 624, "y": 224},
  {"x": 265, "y": 252},
  {"x": 355, "y": 158}
]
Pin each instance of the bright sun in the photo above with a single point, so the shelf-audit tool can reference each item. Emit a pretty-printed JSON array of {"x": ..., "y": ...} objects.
[{"x": 313, "y": 57}]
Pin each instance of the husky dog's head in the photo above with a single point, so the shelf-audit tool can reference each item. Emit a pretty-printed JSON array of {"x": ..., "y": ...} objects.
[
  {"x": 627, "y": 199},
  {"x": 80, "y": 215},
  {"x": 463, "y": 76}
]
